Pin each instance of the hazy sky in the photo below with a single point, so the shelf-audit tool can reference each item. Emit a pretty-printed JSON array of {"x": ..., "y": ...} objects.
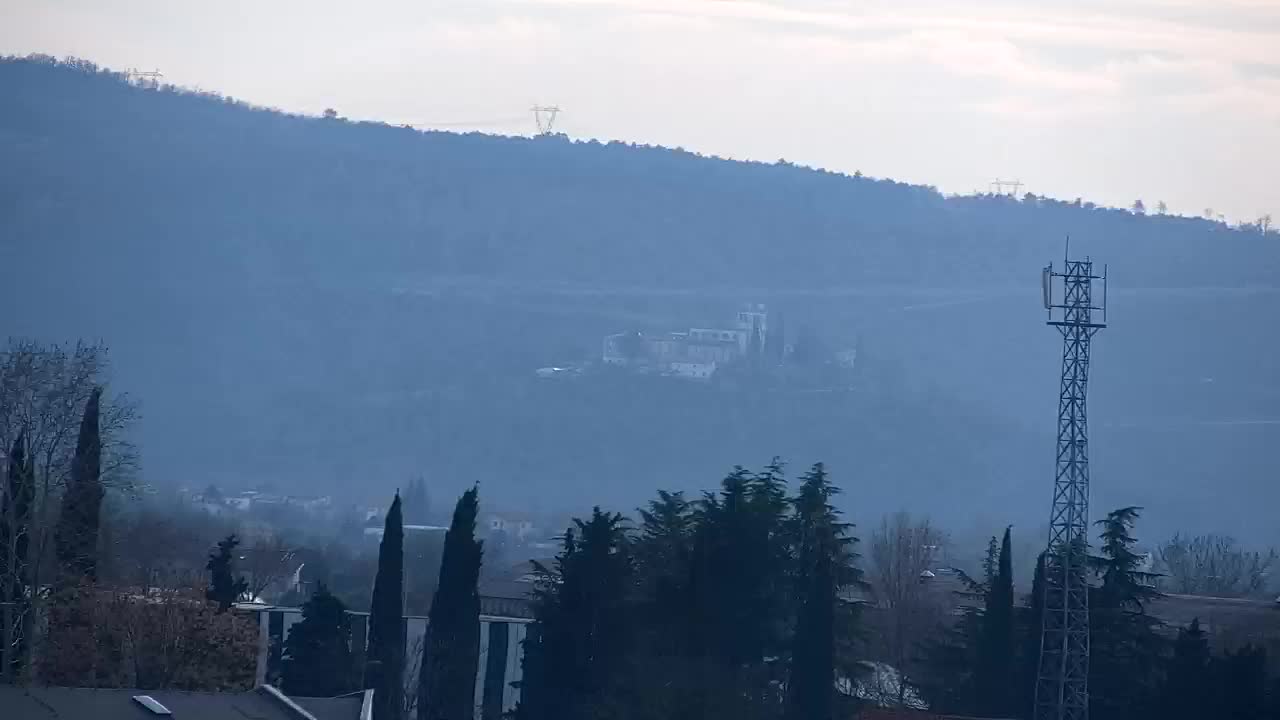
[{"x": 1112, "y": 100}]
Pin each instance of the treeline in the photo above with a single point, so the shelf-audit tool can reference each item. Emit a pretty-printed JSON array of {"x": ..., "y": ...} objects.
[
  {"x": 326, "y": 199},
  {"x": 755, "y": 602},
  {"x": 987, "y": 663},
  {"x": 734, "y": 605}
]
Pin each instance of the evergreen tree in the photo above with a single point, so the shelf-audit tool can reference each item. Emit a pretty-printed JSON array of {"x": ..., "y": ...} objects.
[
  {"x": 317, "y": 653},
  {"x": 16, "y": 503},
  {"x": 1032, "y": 628},
  {"x": 581, "y": 636},
  {"x": 1186, "y": 694},
  {"x": 990, "y": 564},
  {"x": 384, "y": 671},
  {"x": 994, "y": 694},
  {"x": 825, "y": 562},
  {"x": 950, "y": 657},
  {"x": 1125, "y": 645},
  {"x": 76, "y": 534},
  {"x": 452, "y": 652},
  {"x": 1241, "y": 679},
  {"x": 416, "y": 505},
  {"x": 663, "y": 554},
  {"x": 224, "y": 588}
]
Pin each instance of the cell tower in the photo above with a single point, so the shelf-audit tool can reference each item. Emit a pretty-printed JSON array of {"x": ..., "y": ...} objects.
[
  {"x": 545, "y": 117},
  {"x": 1062, "y": 683}
]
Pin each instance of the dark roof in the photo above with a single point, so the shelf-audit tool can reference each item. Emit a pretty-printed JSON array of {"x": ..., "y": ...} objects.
[
  {"x": 1233, "y": 620},
  {"x": 60, "y": 703},
  {"x": 907, "y": 714},
  {"x": 340, "y": 708}
]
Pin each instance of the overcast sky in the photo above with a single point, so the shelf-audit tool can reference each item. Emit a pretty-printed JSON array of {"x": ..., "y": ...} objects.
[{"x": 1112, "y": 100}]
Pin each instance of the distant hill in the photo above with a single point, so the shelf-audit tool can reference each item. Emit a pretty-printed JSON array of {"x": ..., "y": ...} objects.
[{"x": 316, "y": 301}]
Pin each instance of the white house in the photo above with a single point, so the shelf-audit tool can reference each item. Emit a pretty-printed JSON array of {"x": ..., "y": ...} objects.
[{"x": 695, "y": 353}]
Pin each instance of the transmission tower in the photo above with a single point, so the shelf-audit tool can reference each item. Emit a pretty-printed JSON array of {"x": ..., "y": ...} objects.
[
  {"x": 1005, "y": 187},
  {"x": 1062, "y": 683},
  {"x": 143, "y": 77},
  {"x": 545, "y": 117}
]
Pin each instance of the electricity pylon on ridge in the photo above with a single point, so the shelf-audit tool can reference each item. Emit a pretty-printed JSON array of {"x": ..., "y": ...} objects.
[
  {"x": 545, "y": 117},
  {"x": 143, "y": 77},
  {"x": 1062, "y": 680},
  {"x": 1005, "y": 187}
]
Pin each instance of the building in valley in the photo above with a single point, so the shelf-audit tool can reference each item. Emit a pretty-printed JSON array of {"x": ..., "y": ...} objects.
[{"x": 695, "y": 353}]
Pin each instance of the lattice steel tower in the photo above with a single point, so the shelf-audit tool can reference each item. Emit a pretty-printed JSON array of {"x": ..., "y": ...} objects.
[{"x": 1062, "y": 684}]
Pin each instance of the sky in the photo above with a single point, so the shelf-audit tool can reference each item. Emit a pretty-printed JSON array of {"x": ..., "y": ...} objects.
[{"x": 1109, "y": 100}]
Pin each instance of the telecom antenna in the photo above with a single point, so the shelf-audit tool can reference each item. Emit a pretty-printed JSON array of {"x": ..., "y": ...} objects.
[
  {"x": 1062, "y": 683},
  {"x": 545, "y": 117}
]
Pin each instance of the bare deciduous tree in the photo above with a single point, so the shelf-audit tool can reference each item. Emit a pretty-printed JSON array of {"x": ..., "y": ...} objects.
[
  {"x": 266, "y": 561},
  {"x": 902, "y": 552},
  {"x": 1214, "y": 565},
  {"x": 163, "y": 638},
  {"x": 43, "y": 392}
]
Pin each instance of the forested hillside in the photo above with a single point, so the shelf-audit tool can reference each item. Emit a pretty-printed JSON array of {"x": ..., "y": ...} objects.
[{"x": 312, "y": 301}]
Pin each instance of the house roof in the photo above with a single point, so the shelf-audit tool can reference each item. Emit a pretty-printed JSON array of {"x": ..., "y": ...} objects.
[
  {"x": 61, "y": 703},
  {"x": 1232, "y": 619},
  {"x": 906, "y": 714}
]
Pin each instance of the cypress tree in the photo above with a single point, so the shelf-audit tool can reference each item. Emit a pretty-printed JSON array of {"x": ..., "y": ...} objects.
[
  {"x": 15, "y": 540},
  {"x": 824, "y": 555},
  {"x": 76, "y": 534},
  {"x": 1186, "y": 694},
  {"x": 384, "y": 671},
  {"x": 1029, "y": 652},
  {"x": 317, "y": 653},
  {"x": 452, "y": 653},
  {"x": 224, "y": 587},
  {"x": 996, "y": 647}
]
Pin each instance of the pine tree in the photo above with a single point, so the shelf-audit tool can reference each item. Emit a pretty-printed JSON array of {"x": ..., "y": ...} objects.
[
  {"x": 1241, "y": 679},
  {"x": 16, "y": 503},
  {"x": 1125, "y": 645},
  {"x": 825, "y": 558},
  {"x": 452, "y": 653},
  {"x": 950, "y": 656},
  {"x": 990, "y": 564},
  {"x": 76, "y": 534},
  {"x": 1186, "y": 694},
  {"x": 317, "y": 653},
  {"x": 416, "y": 505},
  {"x": 994, "y": 696},
  {"x": 224, "y": 588},
  {"x": 384, "y": 672},
  {"x": 581, "y": 636},
  {"x": 663, "y": 554}
]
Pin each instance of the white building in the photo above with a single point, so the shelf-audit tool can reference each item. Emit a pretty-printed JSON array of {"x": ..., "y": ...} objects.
[
  {"x": 518, "y": 526},
  {"x": 693, "y": 354}
]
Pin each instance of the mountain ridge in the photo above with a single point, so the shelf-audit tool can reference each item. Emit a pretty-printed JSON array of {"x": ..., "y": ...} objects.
[{"x": 243, "y": 265}]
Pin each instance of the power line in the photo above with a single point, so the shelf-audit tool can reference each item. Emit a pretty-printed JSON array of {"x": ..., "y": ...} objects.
[{"x": 471, "y": 123}]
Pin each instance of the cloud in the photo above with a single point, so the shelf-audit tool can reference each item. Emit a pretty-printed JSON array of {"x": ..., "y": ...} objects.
[{"x": 1101, "y": 59}]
